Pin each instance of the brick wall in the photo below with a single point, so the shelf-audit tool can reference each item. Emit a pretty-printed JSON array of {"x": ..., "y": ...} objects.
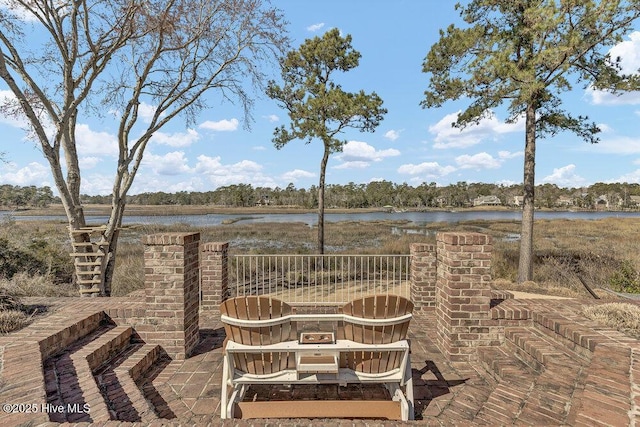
[
  {"x": 463, "y": 294},
  {"x": 214, "y": 280},
  {"x": 423, "y": 276},
  {"x": 171, "y": 292}
]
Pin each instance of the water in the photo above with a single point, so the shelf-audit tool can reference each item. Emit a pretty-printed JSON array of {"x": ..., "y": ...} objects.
[{"x": 414, "y": 218}]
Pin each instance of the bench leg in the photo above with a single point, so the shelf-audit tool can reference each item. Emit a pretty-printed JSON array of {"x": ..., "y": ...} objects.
[
  {"x": 224, "y": 392},
  {"x": 409, "y": 387}
]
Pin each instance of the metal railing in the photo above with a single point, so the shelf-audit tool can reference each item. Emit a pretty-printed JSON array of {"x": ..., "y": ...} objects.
[{"x": 319, "y": 279}]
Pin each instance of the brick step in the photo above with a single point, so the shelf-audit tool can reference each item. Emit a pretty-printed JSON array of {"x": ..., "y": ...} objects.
[
  {"x": 608, "y": 394},
  {"x": 542, "y": 395},
  {"x": 503, "y": 366},
  {"x": 515, "y": 382},
  {"x": 464, "y": 407},
  {"x": 74, "y": 334},
  {"x": 533, "y": 347},
  {"x": 63, "y": 376},
  {"x": 555, "y": 390},
  {"x": 90, "y": 358},
  {"x": 578, "y": 339},
  {"x": 122, "y": 382},
  {"x": 504, "y": 404}
]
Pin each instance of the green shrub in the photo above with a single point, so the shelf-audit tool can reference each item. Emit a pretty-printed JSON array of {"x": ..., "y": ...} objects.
[
  {"x": 37, "y": 258},
  {"x": 625, "y": 278}
]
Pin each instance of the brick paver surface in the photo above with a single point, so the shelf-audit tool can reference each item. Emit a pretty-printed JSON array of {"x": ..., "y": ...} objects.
[{"x": 187, "y": 392}]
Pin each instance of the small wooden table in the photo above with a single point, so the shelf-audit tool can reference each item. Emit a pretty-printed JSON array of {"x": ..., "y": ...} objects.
[{"x": 317, "y": 360}]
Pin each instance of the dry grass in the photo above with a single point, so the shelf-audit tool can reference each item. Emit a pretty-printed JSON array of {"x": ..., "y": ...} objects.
[
  {"x": 596, "y": 249},
  {"x": 13, "y": 314},
  {"x": 12, "y": 320},
  {"x": 26, "y": 285},
  {"x": 624, "y": 317}
]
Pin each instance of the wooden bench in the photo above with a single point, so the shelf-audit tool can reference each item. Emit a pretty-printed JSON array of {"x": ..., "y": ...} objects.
[{"x": 262, "y": 347}]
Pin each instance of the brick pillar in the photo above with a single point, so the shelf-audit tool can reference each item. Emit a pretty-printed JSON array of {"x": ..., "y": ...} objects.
[
  {"x": 214, "y": 279},
  {"x": 171, "y": 292},
  {"x": 423, "y": 276},
  {"x": 463, "y": 294}
]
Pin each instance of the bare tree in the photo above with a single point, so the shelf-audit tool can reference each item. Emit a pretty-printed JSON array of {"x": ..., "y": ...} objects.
[{"x": 121, "y": 56}]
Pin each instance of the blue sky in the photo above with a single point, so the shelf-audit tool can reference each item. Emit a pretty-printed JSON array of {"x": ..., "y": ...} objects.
[{"x": 411, "y": 144}]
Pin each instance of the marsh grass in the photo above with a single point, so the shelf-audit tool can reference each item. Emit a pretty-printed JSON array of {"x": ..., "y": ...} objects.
[
  {"x": 624, "y": 317},
  {"x": 13, "y": 314},
  {"x": 596, "y": 249}
]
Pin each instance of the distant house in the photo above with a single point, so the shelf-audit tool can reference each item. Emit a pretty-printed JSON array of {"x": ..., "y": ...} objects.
[
  {"x": 602, "y": 203},
  {"x": 565, "y": 201},
  {"x": 517, "y": 200},
  {"x": 634, "y": 201},
  {"x": 263, "y": 201},
  {"x": 487, "y": 201}
]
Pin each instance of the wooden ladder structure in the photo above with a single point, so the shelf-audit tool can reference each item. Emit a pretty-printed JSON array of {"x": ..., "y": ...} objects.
[{"x": 90, "y": 256}]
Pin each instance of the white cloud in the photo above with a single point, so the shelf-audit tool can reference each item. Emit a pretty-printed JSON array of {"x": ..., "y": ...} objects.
[
  {"x": 315, "y": 27},
  {"x": 627, "y": 54},
  {"x": 505, "y": 155},
  {"x": 146, "y": 111},
  {"x": 98, "y": 183},
  {"x": 17, "y": 10},
  {"x": 272, "y": 118},
  {"x": 174, "y": 163},
  {"x": 259, "y": 148},
  {"x": 565, "y": 177},
  {"x": 601, "y": 97},
  {"x": 361, "y": 151},
  {"x": 477, "y": 161},
  {"x": 91, "y": 143},
  {"x": 357, "y": 164},
  {"x": 6, "y": 96},
  {"x": 427, "y": 169},
  {"x": 447, "y": 136},
  {"x": 297, "y": 174},
  {"x": 176, "y": 139},
  {"x": 33, "y": 174},
  {"x": 89, "y": 162},
  {"x": 618, "y": 145},
  {"x": 223, "y": 125},
  {"x": 605, "y": 128},
  {"x": 246, "y": 171},
  {"x": 392, "y": 134},
  {"x": 630, "y": 177}
]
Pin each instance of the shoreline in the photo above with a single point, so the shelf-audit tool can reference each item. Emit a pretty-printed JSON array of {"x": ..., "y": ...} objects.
[{"x": 169, "y": 210}]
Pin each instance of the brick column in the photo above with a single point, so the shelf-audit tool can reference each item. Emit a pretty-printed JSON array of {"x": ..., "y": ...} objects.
[
  {"x": 463, "y": 294},
  {"x": 171, "y": 292},
  {"x": 214, "y": 279},
  {"x": 423, "y": 276}
]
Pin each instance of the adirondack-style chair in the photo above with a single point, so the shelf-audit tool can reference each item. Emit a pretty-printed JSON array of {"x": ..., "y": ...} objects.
[
  {"x": 375, "y": 307},
  {"x": 262, "y": 348},
  {"x": 260, "y": 308}
]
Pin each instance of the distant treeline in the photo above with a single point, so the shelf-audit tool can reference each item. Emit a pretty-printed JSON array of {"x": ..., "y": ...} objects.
[
  {"x": 378, "y": 194},
  {"x": 17, "y": 197}
]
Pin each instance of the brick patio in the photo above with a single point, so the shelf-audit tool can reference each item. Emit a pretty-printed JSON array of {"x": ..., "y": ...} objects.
[
  {"x": 554, "y": 368},
  {"x": 515, "y": 361}
]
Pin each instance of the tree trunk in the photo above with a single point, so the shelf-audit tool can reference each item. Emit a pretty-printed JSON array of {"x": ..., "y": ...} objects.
[
  {"x": 323, "y": 168},
  {"x": 525, "y": 265}
]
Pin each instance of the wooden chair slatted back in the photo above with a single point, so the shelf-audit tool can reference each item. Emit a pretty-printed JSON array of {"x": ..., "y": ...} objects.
[
  {"x": 259, "y": 308},
  {"x": 375, "y": 307}
]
